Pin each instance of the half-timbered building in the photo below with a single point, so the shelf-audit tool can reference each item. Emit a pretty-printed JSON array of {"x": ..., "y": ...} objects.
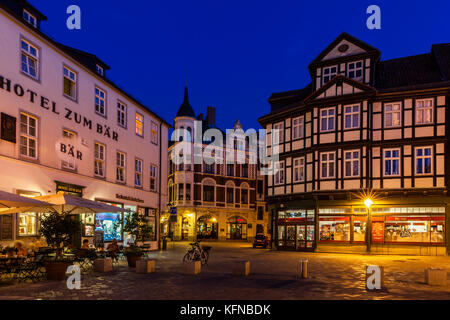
[{"x": 363, "y": 153}]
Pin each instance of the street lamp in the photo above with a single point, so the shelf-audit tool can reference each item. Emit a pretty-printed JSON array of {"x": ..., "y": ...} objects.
[{"x": 368, "y": 202}]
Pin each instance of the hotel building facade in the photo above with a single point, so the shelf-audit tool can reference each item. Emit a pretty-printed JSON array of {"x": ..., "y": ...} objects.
[
  {"x": 220, "y": 201},
  {"x": 363, "y": 129},
  {"x": 66, "y": 128}
]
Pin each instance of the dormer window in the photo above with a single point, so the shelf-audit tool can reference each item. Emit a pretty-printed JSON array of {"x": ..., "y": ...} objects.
[
  {"x": 354, "y": 70},
  {"x": 28, "y": 17},
  {"x": 100, "y": 70},
  {"x": 329, "y": 73}
]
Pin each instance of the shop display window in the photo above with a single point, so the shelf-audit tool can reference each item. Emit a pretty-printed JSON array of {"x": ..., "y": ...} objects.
[
  {"x": 27, "y": 224},
  {"x": 310, "y": 236},
  {"x": 107, "y": 222},
  {"x": 437, "y": 230},
  {"x": 414, "y": 229},
  {"x": 281, "y": 234},
  {"x": 334, "y": 229},
  {"x": 359, "y": 229}
]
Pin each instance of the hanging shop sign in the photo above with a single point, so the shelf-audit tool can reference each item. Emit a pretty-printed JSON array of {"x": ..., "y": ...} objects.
[
  {"x": 122, "y": 197},
  {"x": 8, "y": 128},
  {"x": 50, "y": 106}
]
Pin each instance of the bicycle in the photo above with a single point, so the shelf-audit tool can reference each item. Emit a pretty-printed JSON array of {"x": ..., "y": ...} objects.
[{"x": 197, "y": 253}]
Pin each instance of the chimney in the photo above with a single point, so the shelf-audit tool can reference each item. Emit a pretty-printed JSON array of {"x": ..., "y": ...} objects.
[
  {"x": 200, "y": 117},
  {"x": 211, "y": 116}
]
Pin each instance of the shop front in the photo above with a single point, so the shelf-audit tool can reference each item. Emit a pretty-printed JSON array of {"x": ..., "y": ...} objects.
[
  {"x": 296, "y": 230},
  {"x": 207, "y": 228},
  {"x": 237, "y": 228}
]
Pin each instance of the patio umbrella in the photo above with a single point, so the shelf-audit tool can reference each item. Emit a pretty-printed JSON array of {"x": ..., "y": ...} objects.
[
  {"x": 67, "y": 204},
  {"x": 11, "y": 200}
]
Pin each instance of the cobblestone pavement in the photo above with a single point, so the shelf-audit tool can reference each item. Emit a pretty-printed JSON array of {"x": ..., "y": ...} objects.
[{"x": 273, "y": 276}]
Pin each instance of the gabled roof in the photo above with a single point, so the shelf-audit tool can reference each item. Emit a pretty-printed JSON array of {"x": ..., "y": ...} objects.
[
  {"x": 282, "y": 99},
  {"x": 441, "y": 53},
  {"x": 345, "y": 36},
  {"x": 185, "y": 109},
  {"x": 339, "y": 80},
  {"x": 88, "y": 59}
]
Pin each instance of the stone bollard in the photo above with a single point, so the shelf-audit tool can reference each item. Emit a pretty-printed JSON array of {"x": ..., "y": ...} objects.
[
  {"x": 241, "y": 268},
  {"x": 145, "y": 266},
  {"x": 436, "y": 277},
  {"x": 303, "y": 269},
  {"x": 374, "y": 278},
  {"x": 194, "y": 267},
  {"x": 103, "y": 265}
]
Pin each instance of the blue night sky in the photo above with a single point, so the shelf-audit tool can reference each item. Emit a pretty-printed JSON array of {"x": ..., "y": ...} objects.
[{"x": 237, "y": 52}]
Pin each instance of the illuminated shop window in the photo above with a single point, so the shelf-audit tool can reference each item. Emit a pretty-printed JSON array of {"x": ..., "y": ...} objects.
[
  {"x": 334, "y": 229},
  {"x": 27, "y": 224}
]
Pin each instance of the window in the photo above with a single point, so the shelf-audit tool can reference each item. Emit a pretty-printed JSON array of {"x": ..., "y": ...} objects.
[
  {"x": 28, "y": 136},
  {"x": 100, "y": 101},
  {"x": 424, "y": 111},
  {"x": 392, "y": 162},
  {"x": 351, "y": 117},
  {"x": 297, "y": 128},
  {"x": 329, "y": 73},
  {"x": 278, "y": 133},
  {"x": 230, "y": 170},
  {"x": 181, "y": 191},
  {"x": 153, "y": 175},
  {"x": 208, "y": 193},
  {"x": 27, "y": 224},
  {"x": 208, "y": 168},
  {"x": 139, "y": 124},
  {"x": 327, "y": 165},
  {"x": 99, "y": 160},
  {"x": 121, "y": 114},
  {"x": 424, "y": 160},
  {"x": 279, "y": 173},
  {"x": 392, "y": 115},
  {"x": 354, "y": 70},
  {"x": 120, "y": 175},
  {"x": 70, "y": 83},
  {"x": 138, "y": 173},
  {"x": 260, "y": 213},
  {"x": 244, "y": 169},
  {"x": 351, "y": 159},
  {"x": 188, "y": 192},
  {"x": 28, "y": 17},
  {"x": 299, "y": 170},
  {"x": 327, "y": 119},
  {"x": 100, "y": 70},
  {"x": 30, "y": 58},
  {"x": 154, "y": 133},
  {"x": 334, "y": 229},
  {"x": 230, "y": 194},
  {"x": 69, "y": 162},
  {"x": 244, "y": 196}
]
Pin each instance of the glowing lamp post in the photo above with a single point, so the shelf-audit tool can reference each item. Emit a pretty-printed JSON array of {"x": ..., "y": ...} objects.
[{"x": 368, "y": 202}]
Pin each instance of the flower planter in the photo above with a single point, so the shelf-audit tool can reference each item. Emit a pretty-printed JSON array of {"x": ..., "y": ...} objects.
[
  {"x": 132, "y": 260},
  {"x": 56, "y": 271}
]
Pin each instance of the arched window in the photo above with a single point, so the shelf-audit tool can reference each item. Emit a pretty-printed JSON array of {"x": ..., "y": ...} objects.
[
  {"x": 209, "y": 190},
  {"x": 244, "y": 193},
  {"x": 189, "y": 134},
  {"x": 230, "y": 192},
  {"x": 171, "y": 195}
]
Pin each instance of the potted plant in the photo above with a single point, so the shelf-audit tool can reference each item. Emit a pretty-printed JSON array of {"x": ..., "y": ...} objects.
[
  {"x": 137, "y": 226},
  {"x": 58, "y": 231}
]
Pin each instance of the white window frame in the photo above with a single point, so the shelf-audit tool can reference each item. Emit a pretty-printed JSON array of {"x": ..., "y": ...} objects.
[
  {"x": 138, "y": 173},
  {"x": 298, "y": 172},
  {"x": 422, "y": 110},
  {"x": 278, "y": 130},
  {"x": 99, "y": 160},
  {"x": 121, "y": 160},
  {"x": 154, "y": 132},
  {"x": 99, "y": 70},
  {"x": 329, "y": 164},
  {"x": 153, "y": 177},
  {"x": 26, "y": 136},
  {"x": 98, "y": 100},
  {"x": 73, "y": 81},
  {"x": 139, "y": 124},
  {"x": 353, "y": 160},
  {"x": 298, "y": 127},
  {"x": 391, "y": 159},
  {"x": 122, "y": 114},
  {"x": 351, "y": 114},
  {"x": 279, "y": 173},
  {"x": 328, "y": 117},
  {"x": 396, "y": 114},
  {"x": 30, "y": 18},
  {"x": 28, "y": 55},
  {"x": 328, "y": 75},
  {"x": 351, "y": 67},
  {"x": 423, "y": 157}
]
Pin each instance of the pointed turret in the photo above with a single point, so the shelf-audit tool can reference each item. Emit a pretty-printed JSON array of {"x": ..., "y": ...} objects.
[{"x": 185, "y": 108}]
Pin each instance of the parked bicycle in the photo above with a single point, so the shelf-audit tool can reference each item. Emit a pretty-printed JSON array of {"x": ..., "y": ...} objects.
[{"x": 197, "y": 253}]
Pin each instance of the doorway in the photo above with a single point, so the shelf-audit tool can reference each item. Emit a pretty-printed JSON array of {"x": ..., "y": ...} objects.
[{"x": 237, "y": 228}]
